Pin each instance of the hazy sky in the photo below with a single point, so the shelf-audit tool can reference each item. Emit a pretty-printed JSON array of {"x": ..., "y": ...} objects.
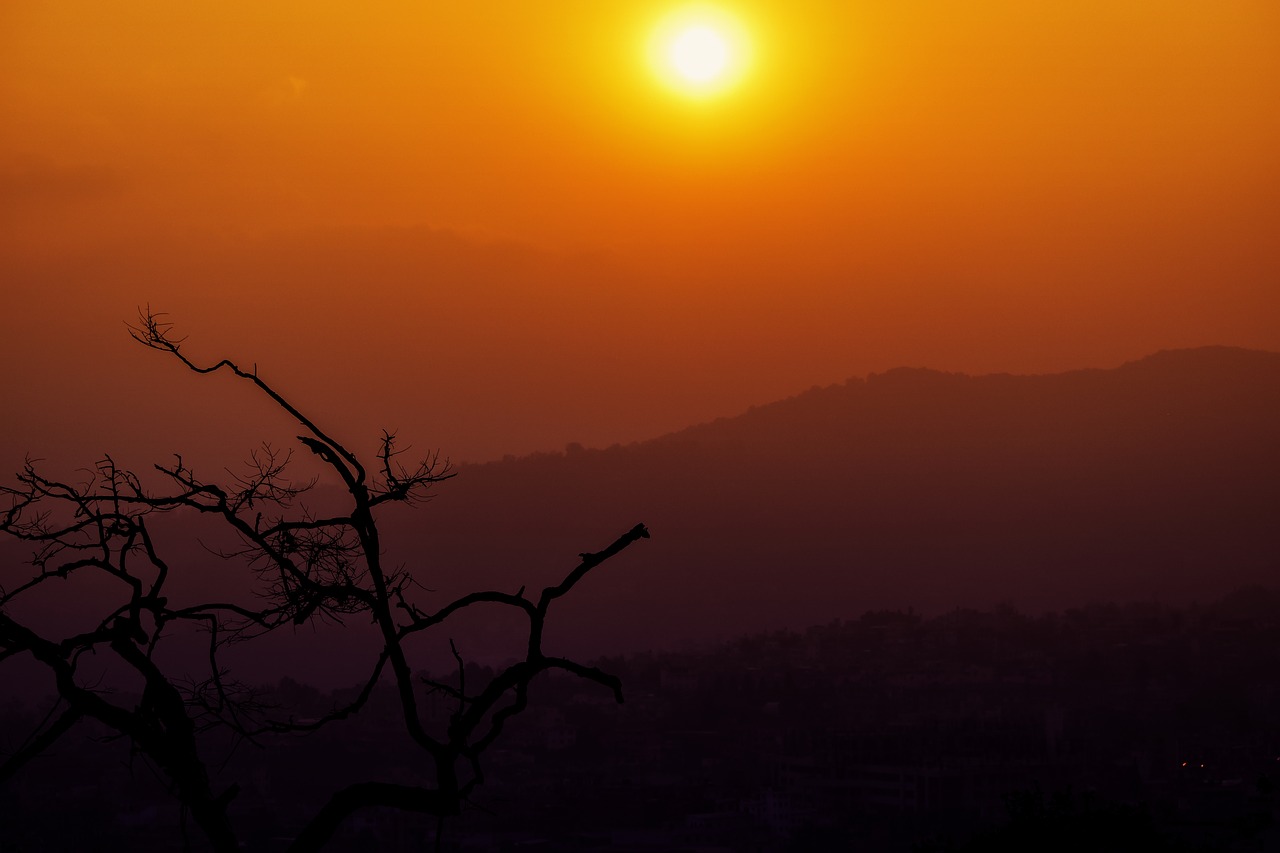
[{"x": 491, "y": 226}]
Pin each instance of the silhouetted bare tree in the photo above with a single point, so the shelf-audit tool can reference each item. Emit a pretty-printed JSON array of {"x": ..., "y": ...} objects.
[{"x": 307, "y": 567}]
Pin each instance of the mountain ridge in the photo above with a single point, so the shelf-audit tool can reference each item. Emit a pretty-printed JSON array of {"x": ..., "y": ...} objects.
[
  {"x": 909, "y": 488},
  {"x": 1152, "y": 481},
  {"x": 1199, "y": 358}
]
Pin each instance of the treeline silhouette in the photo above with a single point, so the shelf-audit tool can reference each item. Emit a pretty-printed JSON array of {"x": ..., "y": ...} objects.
[{"x": 1104, "y": 727}]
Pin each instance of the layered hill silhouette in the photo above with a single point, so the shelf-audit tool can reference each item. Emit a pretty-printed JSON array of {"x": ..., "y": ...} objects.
[{"x": 1157, "y": 480}]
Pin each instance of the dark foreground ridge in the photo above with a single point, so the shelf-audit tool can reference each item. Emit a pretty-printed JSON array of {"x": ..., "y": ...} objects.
[{"x": 1107, "y": 727}]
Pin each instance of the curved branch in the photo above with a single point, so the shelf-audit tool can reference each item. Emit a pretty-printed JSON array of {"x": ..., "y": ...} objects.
[
  {"x": 39, "y": 742},
  {"x": 368, "y": 795},
  {"x": 154, "y": 333},
  {"x": 423, "y": 622},
  {"x": 589, "y": 562}
]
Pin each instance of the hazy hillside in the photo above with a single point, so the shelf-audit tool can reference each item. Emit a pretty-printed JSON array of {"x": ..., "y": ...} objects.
[
  {"x": 912, "y": 488},
  {"x": 1155, "y": 480}
]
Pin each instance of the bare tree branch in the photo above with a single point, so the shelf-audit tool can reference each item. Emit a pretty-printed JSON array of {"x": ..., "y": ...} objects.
[{"x": 306, "y": 568}]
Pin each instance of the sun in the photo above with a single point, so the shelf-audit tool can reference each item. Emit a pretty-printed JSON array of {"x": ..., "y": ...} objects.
[
  {"x": 699, "y": 54},
  {"x": 699, "y": 51}
]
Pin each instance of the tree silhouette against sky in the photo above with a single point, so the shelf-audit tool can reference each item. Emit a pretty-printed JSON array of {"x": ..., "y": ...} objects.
[{"x": 307, "y": 567}]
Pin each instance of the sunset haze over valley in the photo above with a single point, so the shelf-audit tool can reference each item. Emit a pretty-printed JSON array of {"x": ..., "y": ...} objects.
[
  {"x": 495, "y": 228},
  {"x": 624, "y": 426}
]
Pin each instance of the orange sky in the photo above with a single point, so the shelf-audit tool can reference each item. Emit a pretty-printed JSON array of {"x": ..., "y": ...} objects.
[{"x": 488, "y": 224}]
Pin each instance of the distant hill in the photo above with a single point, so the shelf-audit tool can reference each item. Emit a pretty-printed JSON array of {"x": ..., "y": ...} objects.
[{"x": 1159, "y": 479}]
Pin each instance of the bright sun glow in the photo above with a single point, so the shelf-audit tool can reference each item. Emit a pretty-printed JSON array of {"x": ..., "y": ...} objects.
[
  {"x": 699, "y": 50},
  {"x": 699, "y": 54}
]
